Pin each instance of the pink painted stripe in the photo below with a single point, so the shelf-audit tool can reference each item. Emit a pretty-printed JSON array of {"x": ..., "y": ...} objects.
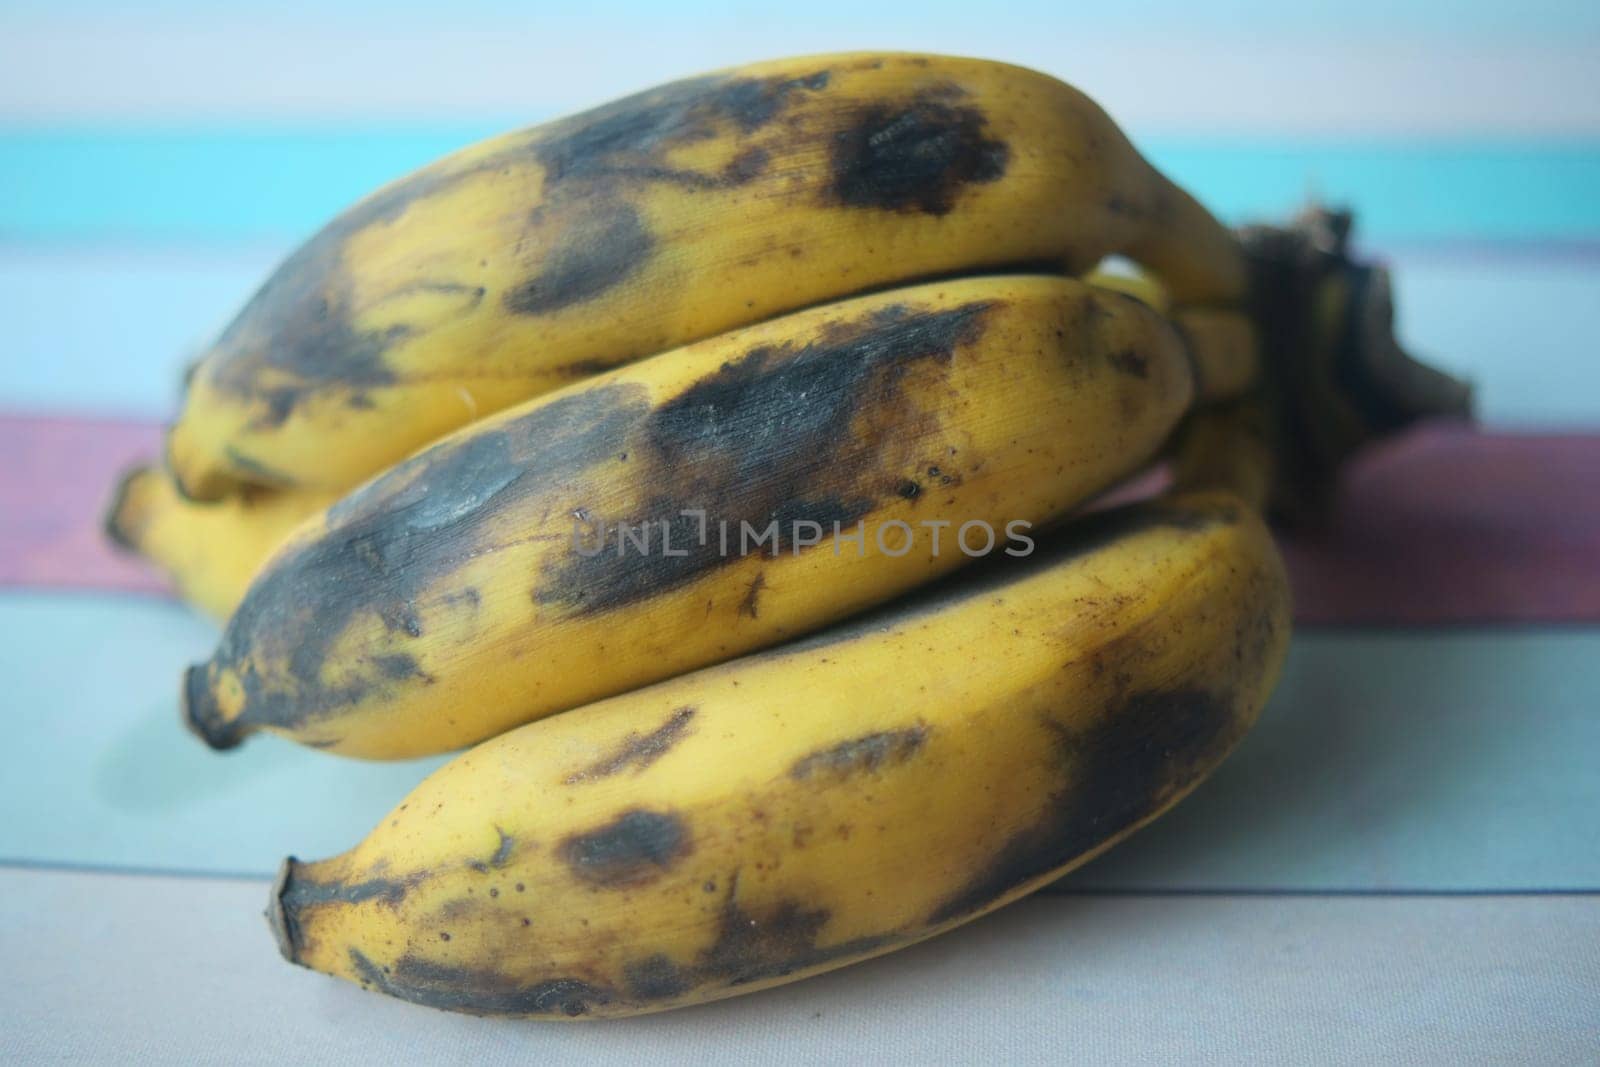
[
  {"x": 1451, "y": 526},
  {"x": 54, "y": 486},
  {"x": 1445, "y": 526}
]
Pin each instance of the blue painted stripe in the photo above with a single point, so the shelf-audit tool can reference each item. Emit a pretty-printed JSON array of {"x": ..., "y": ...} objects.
[
  {"x": 281, "y": 183},
  {"x": 266, "y": 183},
  {"x": 1404, "y": 192}
]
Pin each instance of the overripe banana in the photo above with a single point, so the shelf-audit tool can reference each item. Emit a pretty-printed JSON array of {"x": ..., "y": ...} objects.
[
  {"x": 493, "y": 578},
  {"x": 516, "y": 265},
  {"x": 820, "y": 803},
  {"x": 211, "y": 551}
]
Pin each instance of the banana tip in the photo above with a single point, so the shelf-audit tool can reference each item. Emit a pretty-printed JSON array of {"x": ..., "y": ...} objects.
[
  {"x": 201, "y": 715},
  {"x": 197, "y": 487},
  {"x": 115, "y": 524},
  {"x": 278, "y": 918}
]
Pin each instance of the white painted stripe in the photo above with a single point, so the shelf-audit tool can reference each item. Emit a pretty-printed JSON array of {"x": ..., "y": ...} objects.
[
  {"x": 1163, "y": 76},
  {"x": 125, "y": 969}
]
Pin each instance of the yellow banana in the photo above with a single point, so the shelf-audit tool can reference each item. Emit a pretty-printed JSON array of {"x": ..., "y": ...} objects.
[
  {"x": 211, "y": 551},
  {"x": 820, "y": 803},
  {"x": 501, "y": 575},
  {"x": 514, "y": 266}
]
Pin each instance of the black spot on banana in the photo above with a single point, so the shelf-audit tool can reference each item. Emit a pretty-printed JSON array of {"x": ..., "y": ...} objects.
[
  {"x": 507, "y": 269},
  {"x": 858, "y": 754},
  {"x": 1122, "y": 765},
  {"x": 636, "y": 847},
  {"x": 962, "y": 748},
  {"x": 691, "y": 507},
  {"x": 915, "y": 157},
  {"x": 639, "y": 751}
]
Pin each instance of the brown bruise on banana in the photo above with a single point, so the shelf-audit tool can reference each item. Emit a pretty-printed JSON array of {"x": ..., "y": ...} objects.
[
  {"x": 866, "y": 753},
  {"x": 499, "y": 857},
  {"x": 638, "y": 751},
  {"x": 1122, "y": 769},
  {"x": 915, "y": 156},
  {"x": 1148, "y": 747},
  {"x": 793, "y": 432},
  {"x": 384, "y": 545},
  {"x": 296, "y": 335},
  {"x": 593, "y": 163},
  {"x": 750, "y": 946},
  {"x": 476, "y": 991},
  {"x": 633, "y": 849},
  {"x": 299, "y": 336},
  {"x": 750, "y": 604},
  {"x": 293, "y": 897}
]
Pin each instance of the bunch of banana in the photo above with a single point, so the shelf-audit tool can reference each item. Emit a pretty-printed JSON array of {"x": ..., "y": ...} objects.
[
  {"x": 822, "y": 802},
  {"x": 625, "y": 416}
]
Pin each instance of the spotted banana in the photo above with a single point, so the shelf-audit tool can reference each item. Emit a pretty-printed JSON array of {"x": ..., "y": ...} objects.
[
  {"x": 823, "y": 802},
  {"x": 515, "y": 266},
  {"x": 694, "y": 506}
]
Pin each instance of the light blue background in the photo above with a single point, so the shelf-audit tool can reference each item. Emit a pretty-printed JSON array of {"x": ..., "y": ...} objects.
[{"x": 156, "y": 162}]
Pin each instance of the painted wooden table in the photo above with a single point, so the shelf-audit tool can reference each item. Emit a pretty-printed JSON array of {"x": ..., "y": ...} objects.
[{"x": 1403, "y": 861}]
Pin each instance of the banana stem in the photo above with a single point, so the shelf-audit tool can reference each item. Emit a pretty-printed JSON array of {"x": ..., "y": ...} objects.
[
  {"x": 1335, "y": 378},
  {"x": 1228, "y": 446},
  {"x": 1198, "y": 260},
  {"x": 1223, "y": 349}
]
